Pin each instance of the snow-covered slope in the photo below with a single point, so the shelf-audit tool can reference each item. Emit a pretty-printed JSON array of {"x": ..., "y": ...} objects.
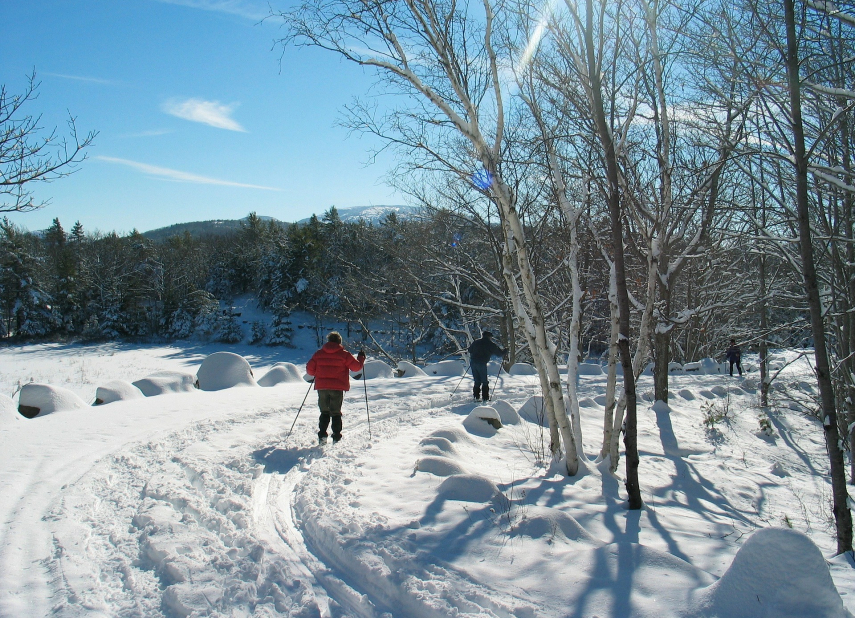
[{"x": 197, "y": 504}]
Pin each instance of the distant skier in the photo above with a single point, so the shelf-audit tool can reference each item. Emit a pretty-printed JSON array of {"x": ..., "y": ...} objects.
[
  {"x": 479, "y": 355},
  {"x": 734, "y": 355},
  {"x": 330, "y": 367}
]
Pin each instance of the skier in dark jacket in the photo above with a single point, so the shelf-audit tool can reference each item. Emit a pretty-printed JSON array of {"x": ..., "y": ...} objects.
[
  {"x": 479, "y": 355},
  {"x": 734, "y": 355},
  {"x": 330, "y": 366}
]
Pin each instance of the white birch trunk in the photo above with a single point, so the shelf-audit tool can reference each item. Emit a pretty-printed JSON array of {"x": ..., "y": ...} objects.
[{"x": 611, "y": 379}]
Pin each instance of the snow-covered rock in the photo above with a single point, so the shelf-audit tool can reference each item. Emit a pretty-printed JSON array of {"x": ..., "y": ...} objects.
[
  {"x": 223, "y": 370},
  {"x": 648, "y": 370},
  {"x": 674, "y": 367},
  {"x": 590, "y": 369},
  {"x": 446, "y": 368},
  {"x": 483, "y": 421},
  {"x": 541, "y": 521},
  {"x": 507, "y": 414},
  {"x": 522, "y": 369},
  {"x": 409, "y": 370},
  {"x": 165, "y": 382},
  {"x": 116, "y": 390},
  {"x": 439, "y": 466},
  {"x": 692, "y": 368},
  {"x": 281, "y": 373},
  {"x": 777, "y": 573},
  {"x": 534, "y": 411},
  {"x": 8, "y": 411},
  {"x": 40, "y": 399},
  {"x": 468, "y": 488},
  {"x": 374, "y": 369}
]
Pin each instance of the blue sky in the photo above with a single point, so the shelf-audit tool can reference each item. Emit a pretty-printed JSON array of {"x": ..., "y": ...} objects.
[{"x": 197, "y": 119}]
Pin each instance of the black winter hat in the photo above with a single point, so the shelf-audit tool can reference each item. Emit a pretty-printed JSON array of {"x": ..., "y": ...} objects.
[{"x": 487, "y": 334}]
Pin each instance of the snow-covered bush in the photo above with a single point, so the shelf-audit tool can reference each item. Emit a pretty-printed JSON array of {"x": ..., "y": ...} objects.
[
  {"x": 228, "y": 329},
  {"x": 259, "y": 332}
]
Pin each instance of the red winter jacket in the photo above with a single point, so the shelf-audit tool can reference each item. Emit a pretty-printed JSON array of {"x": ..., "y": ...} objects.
[{"x": 330, "y": 366}]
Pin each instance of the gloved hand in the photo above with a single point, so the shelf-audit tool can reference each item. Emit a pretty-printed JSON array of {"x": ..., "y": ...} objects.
[
  {"x": 361, "y": 356},
  {"x": 310, "y": 379}
]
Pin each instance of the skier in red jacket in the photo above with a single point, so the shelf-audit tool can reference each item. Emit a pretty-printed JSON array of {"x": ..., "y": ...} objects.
[{"x": 330, "y": 367}]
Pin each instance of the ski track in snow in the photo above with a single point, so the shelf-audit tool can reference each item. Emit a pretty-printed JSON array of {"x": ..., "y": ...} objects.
[{"x": 219, "y": 515}]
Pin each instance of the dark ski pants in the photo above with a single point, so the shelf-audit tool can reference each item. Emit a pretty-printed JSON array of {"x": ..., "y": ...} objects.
[
  {"x": 330, "y": 404},
  {"x": 738, "y": 366},
  {"x": 482, "y": 383}
]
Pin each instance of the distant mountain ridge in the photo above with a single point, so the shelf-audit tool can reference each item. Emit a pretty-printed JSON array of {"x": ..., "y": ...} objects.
[
  {"x": 217, "y": 227},
  {"x": 369, "y": 214}
]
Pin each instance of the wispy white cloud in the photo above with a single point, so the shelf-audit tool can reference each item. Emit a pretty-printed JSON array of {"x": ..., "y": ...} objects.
[
  {"x": 179, "y": 176},
  {"x": 212, "y": 113},
  {"x": 79, "y": 78},
  {"x": 152, "y": 133},
  {"x": 250, "y": 9}
]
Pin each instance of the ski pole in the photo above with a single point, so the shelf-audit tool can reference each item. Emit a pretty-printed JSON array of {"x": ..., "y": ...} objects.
[
  {"x": 365, "y": 387},
  {"x": 496, "y": 381},
  {"x": 300, "y": 409},
  {"x": 461, "y": 381}
]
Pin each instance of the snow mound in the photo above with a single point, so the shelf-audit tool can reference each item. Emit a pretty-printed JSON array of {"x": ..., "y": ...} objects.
[
  {"x": 507, "y": 414},
  {"x": 439, "y": 466},
  {"x": 660, "y": 406},
  {"x": 777, "y": 573},
  {"x": 687, "y": 394},
  {"x": 446, "y": 368},
  {"x": 409, "y": 370},
  {"x": 483, "y": 421},
  {"x": 40, "y": 399},
  {"x": 373, "y": 370},
  {"x": 719, "y": 390},
  {"x": 223, "y": 370},
  {"x": 116, "y": 390},
  {"x": 281, "y": 373},
  {"x": 542, "y": 521},
  {"x": 164, "y": 382},
  {"x": 8, "y": 411},
  {"x": 590, "y": 369},
  {"x": 442, "y": 445},
  {"x": 674, "y": 367},
  {"x": 692, "y": 368},
  {"x": 452, "y": 435},
  {"x": 648, "y": 370},
  {"x": 468, "y": 488},
  {"x": 587, "y": 402},
  {"x": 709, "y": 366},
  {"x": 534, "y": 411},
  {"x": 522, "y": 369}
]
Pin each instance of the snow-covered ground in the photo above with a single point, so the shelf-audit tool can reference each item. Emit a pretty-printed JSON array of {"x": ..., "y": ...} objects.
[{"x": 200, "y": 504}]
